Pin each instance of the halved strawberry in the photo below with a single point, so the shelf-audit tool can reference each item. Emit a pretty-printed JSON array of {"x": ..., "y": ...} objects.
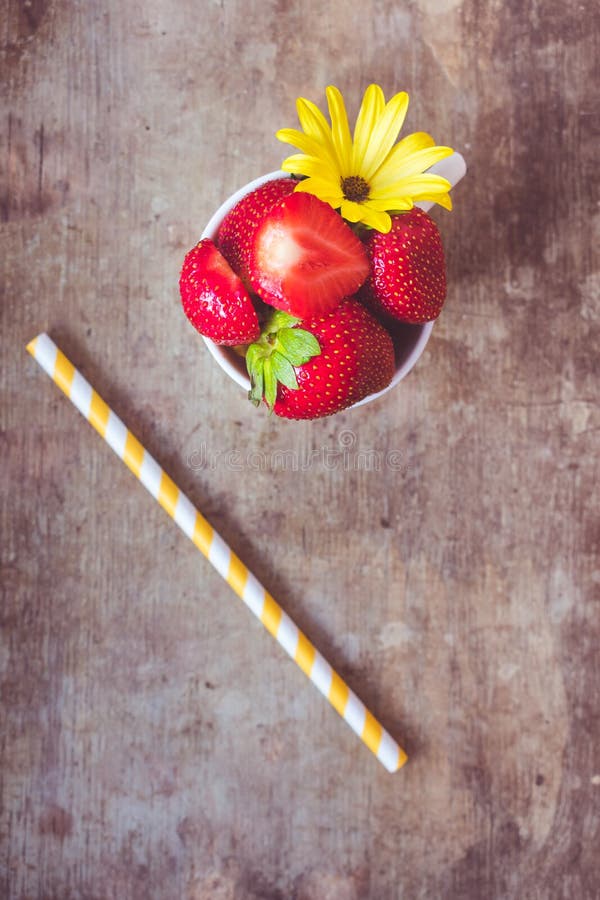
[
  {"x": 237, "y": 230},
  {"x": 305, "y": 258},
  {"x": 214, "y": 299},
  {"x": 313, "y": 368},
  {"x": 407, "y": 279}
]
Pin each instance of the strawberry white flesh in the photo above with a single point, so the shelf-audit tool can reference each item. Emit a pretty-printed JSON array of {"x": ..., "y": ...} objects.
[
  {"x": 236, "y": 233},
  {"x": 305, "y": 258}
]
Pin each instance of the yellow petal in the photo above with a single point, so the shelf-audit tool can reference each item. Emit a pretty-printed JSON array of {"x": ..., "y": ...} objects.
[
  {"x": 413, "y": 164},
  {"x": 339, "y": 130},
  {"x": 363, "y": 212},
  {"x": 312, "y": 119},
  {"x": 418, "y": 140},
  {"x": 351, "y": 211},
  {"x": 414, "y": 184},
  {"x": 391, "y": 203},
  {"x": 314, "y": 123},
  {"x": 322, "y": 188},
  {"x": 371, "y": 108},
  {"x": 384, "y": 134},
  {"x": 303, "y": 142},
  {"x": 375, "y": 219},
  {"x": 444, "y": 200},
  {"x": 300, "y": 164}
]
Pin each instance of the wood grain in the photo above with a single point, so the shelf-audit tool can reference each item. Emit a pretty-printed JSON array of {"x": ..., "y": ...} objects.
[{"x": 155, "y": 742}]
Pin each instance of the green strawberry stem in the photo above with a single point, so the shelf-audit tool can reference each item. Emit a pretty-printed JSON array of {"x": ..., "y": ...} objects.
[{"x": 272, "y": 358}]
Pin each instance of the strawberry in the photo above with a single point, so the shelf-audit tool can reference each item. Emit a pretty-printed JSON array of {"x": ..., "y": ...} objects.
[
  {"x": 305, "y": 259},
  {"x": 239, "y": 225},
  {"x": 323, "y": 366},
  {"x": 408, "y": 277},
  {"x": 214, "y": 299}
]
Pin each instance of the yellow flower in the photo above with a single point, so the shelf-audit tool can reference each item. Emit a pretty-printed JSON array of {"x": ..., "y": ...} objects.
[{"x": 368, "y": 176}]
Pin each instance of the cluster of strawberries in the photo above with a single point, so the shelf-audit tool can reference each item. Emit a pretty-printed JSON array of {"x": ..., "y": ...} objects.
[{"x": 313, "y": 302}]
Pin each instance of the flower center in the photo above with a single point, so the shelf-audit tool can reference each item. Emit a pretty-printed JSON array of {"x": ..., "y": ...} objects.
[{"x": 355, "y": 188}]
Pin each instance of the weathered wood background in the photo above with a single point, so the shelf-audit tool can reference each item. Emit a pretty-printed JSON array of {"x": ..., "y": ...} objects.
[{"x": 155, "y": 741}]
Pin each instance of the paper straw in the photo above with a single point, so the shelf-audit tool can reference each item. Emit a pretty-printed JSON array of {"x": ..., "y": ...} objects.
[{"x": 214, "y": 548}]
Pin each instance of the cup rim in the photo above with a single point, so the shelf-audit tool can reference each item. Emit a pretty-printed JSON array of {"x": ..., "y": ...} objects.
[{"x": 453, "y": 168}]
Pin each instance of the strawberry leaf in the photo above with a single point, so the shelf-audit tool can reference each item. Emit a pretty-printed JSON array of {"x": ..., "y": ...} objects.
[
  {"x": 283, "y": 370},
  {"x": 280, "y": 319},
  {"x": 298, "y": 345},
  {"x": 270, "y": 380},
  {"x": 271, "y": 360},
  {"x": 257, "y": 381},
  {"x": 254, "y": 354}
]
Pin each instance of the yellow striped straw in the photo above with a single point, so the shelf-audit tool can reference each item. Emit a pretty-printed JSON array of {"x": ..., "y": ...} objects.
[{"x": 214, "y": 548}]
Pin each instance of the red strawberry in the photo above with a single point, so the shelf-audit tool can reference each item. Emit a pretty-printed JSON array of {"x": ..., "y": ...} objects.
[
  {"x": 305, "y": 258},
  {"x": 214, "y": 299},
  {"x": 323, "y": 366},
  {"x": 239, "y": 225},
  {"x": 408, "y": 276}
]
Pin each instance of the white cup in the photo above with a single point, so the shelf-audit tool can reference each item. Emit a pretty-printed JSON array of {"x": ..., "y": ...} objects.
[{"x": 411, "y": 340}]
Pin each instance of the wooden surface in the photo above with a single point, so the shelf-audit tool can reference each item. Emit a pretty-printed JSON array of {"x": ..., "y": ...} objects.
[{"x": 155, "y": 741}]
